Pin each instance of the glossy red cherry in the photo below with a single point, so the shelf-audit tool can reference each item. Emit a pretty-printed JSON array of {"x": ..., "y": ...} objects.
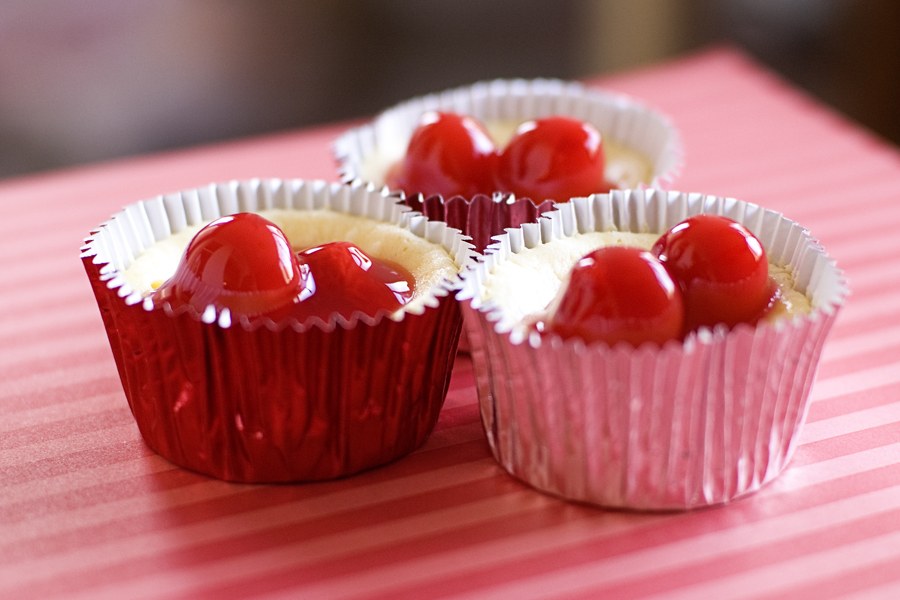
[
  {"x": 556, "y": 157},
  {"x": 722, "y": 270},
  {"x": 448, "y": 154},
  {"x": 241, "y": 262},
  {"x": 341, "y": 278},
  {"x": 619, "y": 294}
]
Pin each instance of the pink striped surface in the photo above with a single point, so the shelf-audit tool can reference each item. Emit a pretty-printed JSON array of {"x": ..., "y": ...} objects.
[{"x": 87, "y": 511}]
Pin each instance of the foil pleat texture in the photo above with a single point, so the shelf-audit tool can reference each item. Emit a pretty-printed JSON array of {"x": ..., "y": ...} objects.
[
  {"x": 681, "y": 426},
  {"x": 481, "y": 217},
  {"x": 624, "y": 119},
  {"x": 274, "y": 402},
  {"x": 617, "y": 116}
]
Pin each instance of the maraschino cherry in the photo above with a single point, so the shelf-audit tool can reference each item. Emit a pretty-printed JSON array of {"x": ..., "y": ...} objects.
[
  {"x": 241, "y": 262},
  {"x": 617, "y": 294},
  {"x": 555, "y": 157},
  {"x": 722, "y": 270},
  {"x": 342, "y": 279},
  {"x": 244, "y": 263},
  {"x": 448, "y": 154}
]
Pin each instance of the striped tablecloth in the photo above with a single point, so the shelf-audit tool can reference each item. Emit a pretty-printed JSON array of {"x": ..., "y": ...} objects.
[{"x": 87, "y": 511}]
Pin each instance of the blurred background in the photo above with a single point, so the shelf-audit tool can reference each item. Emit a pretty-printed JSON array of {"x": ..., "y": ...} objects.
[{"x": 89, "y": 80}]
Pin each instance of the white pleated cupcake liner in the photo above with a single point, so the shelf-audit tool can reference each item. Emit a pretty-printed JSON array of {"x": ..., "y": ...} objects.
[
  {"x": 616, "y": 116},
  {"x": 681, "y": 426},
  {"x": 262, "y": 401}
]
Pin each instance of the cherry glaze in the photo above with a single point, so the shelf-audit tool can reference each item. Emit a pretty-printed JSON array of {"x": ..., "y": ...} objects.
[
  {"x": 245, "y": 263},
  {"x": 341, "y": 278},
  {"x": 555, "y": 158},
  {"x": 619, "y": 294},
  {"x": 722, "y": 270},
  {"x": 241, "y": 262},
  {"x": 448, "y": 154}
]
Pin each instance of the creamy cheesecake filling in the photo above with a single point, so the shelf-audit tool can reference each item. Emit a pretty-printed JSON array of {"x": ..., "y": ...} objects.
[
  {"x": 428, "y": 263},
  {"x": 625, "y": 167},
  {"x": 526, "y": 282}
]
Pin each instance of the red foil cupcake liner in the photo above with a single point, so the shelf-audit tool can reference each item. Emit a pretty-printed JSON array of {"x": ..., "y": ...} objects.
[
  {"x": 281, "y": 402},
  {"x": 683, "y": 426},
  {"x": 481, "y": 217}
]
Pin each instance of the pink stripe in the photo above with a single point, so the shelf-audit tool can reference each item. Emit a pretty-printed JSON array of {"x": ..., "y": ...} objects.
[
  {"x": 88, "y": 510},
  {"x": 561, "y": 567},
  {"x": 59, "y": 390},
  {"x": 84, "y": 421},
  {"x": 848, "y": 348},
  {"x": 736, "y": 563},
  {"x": 878, "y": 355},
  {"x": 844, "y": 405},
  {"x": 86, "y": 515},
  {"x": 676, "y": 527},
  {"x": 860, "y": 315}
]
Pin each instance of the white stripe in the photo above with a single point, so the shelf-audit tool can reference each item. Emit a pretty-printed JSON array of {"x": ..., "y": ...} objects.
[
  {"x": 683, "y": 553},
  {"x": 69, "y": 564},
  {"x": 80, "y": 480},
  {"x": 50, "y": 294},
  {"x": 611, "y": 570},
  {"x": 73, "y": 314},
  {"x": 332, "y": 547},
  {"x": 41, "y": 382},
  {"x": 46, "y": 241},
  {"x": 872, "y": 194},
  {"x": 804, "y": 570},
  {"x": 848, "y": 226},
  {"x": 881, "y": 272},
  {"x": 889, "y": 591},
  {"x": 796, "y": 478},
  {"x": 864, "y": 343},
  {"x": 83, "y": 479},
  {"x": 60, "y": 448},
  {"x": 55, "y": 413},
  {"x": 873, "y": 308},
  {"x": 535, "y": 543},
  {"x": 860, "y": 420},
  {"x": 53, "y": 265},
  {"x": 862, "y": 248},
  {"x": 859, "y": 381},
  {"x": 52, "y": 351}
]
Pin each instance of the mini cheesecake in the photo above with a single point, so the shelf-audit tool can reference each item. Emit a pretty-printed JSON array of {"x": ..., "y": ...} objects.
[
  {"x": 642, "y": 146},
  {"x": 672, "y": 426},
  {"x": 253, "y": 398},
  {"x": 524, "y": 285},
  {"x": 624, "y": 167},
  {"x": 430, "y": 264}
]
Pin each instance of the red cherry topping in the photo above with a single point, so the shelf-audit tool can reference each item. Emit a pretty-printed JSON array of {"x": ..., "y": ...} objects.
[
  {"x": 721, "y": 268},
  {"x": 245, "y": 263},
  {"x": 619, "y": 294},
  {"x": 241, "y": 262},
  {"x": 448, "y": 154},
  {"x": 341, "y": 278},
  {"x": 556, "y": 157}
]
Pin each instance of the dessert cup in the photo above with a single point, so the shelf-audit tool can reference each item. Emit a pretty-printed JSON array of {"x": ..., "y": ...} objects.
[
  {"x": 260, "y": 401},
  {"x": 685, "y": 425},
  {"x": 365, "y": 153}
]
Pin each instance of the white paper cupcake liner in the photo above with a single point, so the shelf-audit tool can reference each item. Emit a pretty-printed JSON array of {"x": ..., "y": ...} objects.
[
  {"x": 683, "y": 426},
  {"x": 366, "y": 152},
  {"x": 263, "y": 401}
]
